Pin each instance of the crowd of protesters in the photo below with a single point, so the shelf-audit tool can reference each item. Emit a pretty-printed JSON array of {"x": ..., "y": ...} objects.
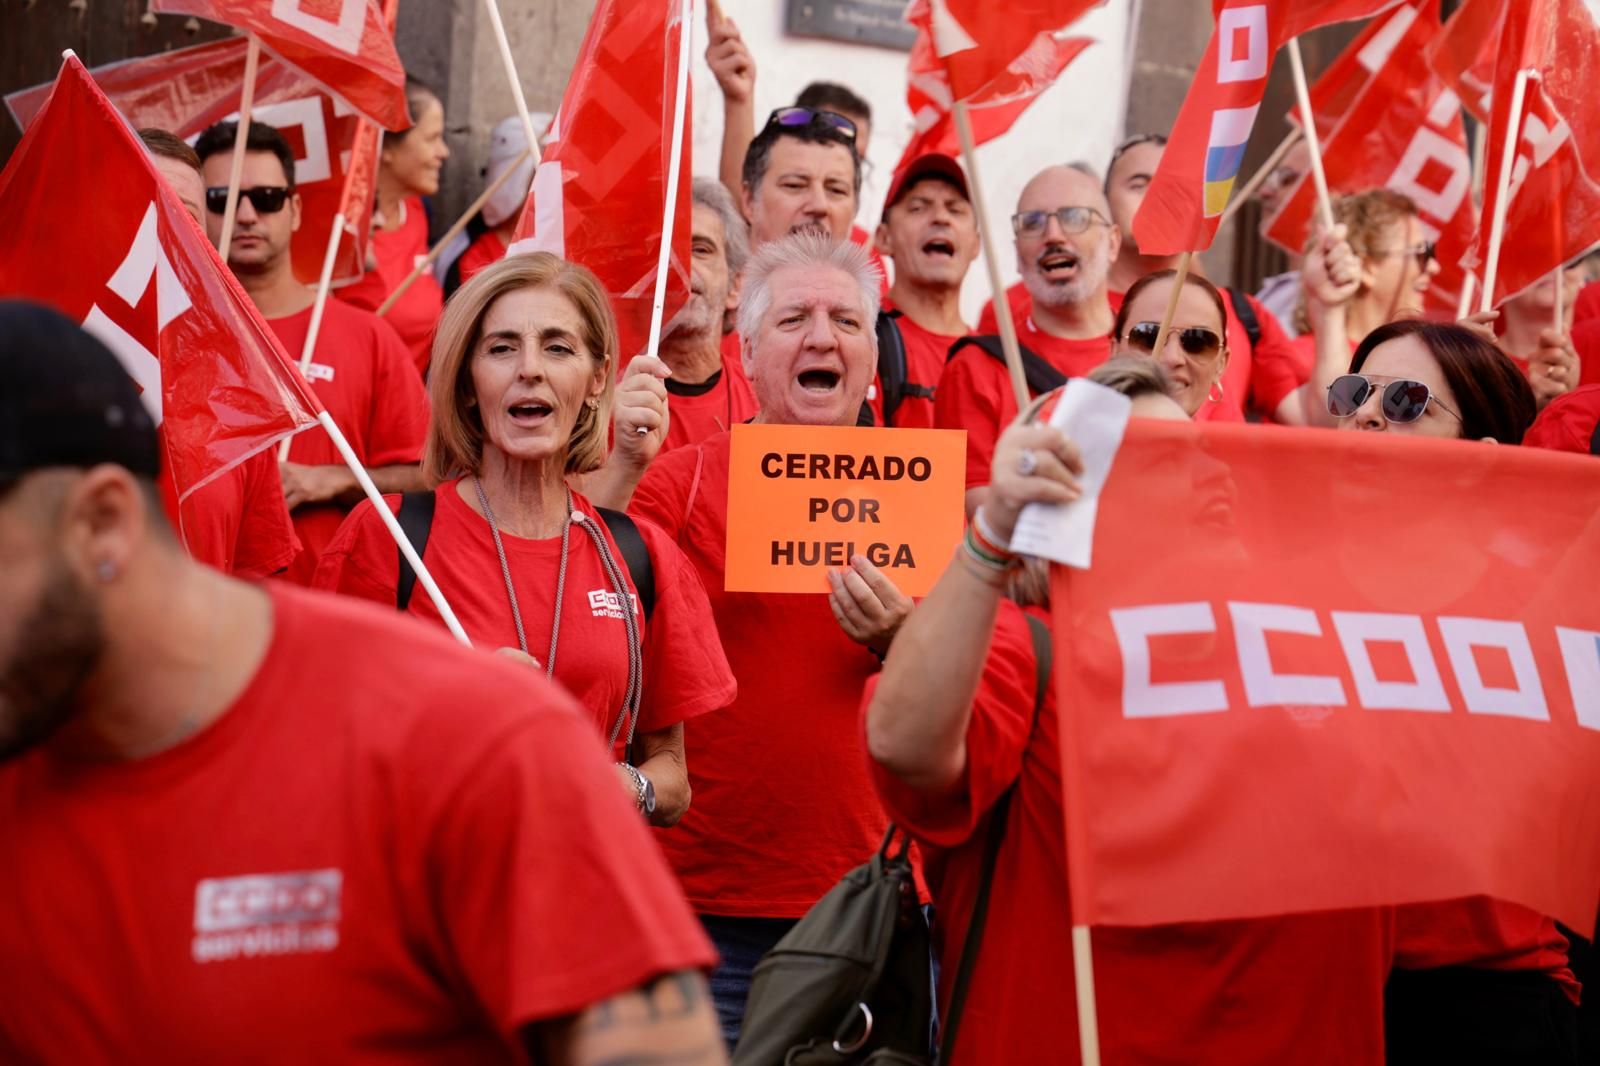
[{"x": 483, "y": 870}]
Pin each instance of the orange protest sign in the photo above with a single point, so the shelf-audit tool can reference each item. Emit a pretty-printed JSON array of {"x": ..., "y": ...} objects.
[{"x": 803, "y": 499}]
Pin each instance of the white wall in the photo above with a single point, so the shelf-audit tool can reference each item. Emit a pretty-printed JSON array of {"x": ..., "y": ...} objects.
[{"x": 1079, "y": 117}]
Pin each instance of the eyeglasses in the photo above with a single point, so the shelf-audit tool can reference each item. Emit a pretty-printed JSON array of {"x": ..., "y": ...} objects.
[
  {"x": 1072, "y": 219},
  {"x": 797, "y": 117},
  {"x": 266, "y": 199},
  {"x": 1422, "y": 253},
  {"x": 1403, "y": 400},
  {"x": 1198, "y": 343}
]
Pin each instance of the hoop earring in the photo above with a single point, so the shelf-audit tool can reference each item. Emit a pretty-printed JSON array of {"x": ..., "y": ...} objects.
[{"x": 1215, "y": 395}]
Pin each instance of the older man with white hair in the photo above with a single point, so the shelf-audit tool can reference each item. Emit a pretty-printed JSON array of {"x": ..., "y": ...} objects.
[{"x": 783, "y": 805}]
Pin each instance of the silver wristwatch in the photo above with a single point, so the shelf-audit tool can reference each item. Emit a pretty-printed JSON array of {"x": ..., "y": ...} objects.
[{"x": 645, "y": 798}]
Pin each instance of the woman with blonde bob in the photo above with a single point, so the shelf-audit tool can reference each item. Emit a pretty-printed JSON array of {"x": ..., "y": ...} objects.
[{"x": 522, "y": 389}]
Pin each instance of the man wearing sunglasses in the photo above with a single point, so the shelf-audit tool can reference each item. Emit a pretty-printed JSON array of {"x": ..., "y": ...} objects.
[{"x": 360, "y": 369}]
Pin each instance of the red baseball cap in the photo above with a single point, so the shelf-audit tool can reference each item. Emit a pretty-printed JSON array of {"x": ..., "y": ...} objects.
[
  {"x": 932, "y": 165},
  {"x": 1569, "y": 423}
]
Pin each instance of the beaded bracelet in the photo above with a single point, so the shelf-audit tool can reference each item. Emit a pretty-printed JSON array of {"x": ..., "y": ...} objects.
[{"x": 986, "y": 554}]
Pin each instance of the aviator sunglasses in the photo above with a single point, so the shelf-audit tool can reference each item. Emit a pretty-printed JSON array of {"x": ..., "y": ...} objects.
[
  {"x": 1197, "y": 342},
  {"x": 266, "y": 199},
  {"x": 1403, "y": 400},
  {"x": 796, "y": 117}
]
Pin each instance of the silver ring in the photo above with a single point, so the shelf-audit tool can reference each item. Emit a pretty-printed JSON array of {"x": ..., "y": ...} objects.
[
  {"x": 1027, "y": 462},
  {"x": 641, "y": 430}
]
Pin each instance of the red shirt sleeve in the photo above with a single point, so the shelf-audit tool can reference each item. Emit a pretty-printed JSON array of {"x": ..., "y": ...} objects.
[
  {"x": 398, "y": 423},
  {"x": 535, "y": 939},
  {"x": 266, "y": 541},
  {"x": 663, "y": 493},
  {"x": 997, "y": 734},
  {"x": 686, "y": 672},
  {"x": 966, "y": 400},
  {"x": 1280, "y": 366},
  {"x": 361, "y": 560}
]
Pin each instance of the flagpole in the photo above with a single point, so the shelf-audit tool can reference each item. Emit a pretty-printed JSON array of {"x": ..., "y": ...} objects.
[
  {"x": 510, "y": 64},
  {"x": 324, "y": 282},
  {"x": 252, "y": 58},
  {"x": 674, "y": 176},
  {"x": 1469, "y": 286},
  {"x": 1508, "y": 155},
  {"x": 1308, "y": 127},
  {"x": 1259, "y": 178},
  {"x": 1172, "y": 304},
  {"x": 393, "y": 526},
  {"x": 1561, "y": 294},
  {"x": 1002, "y": 307},
  {"x": 455, "y": 228},
  {"x": 1083, "y": 981}
]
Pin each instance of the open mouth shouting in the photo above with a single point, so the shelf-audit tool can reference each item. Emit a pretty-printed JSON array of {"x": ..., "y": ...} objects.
[
  {"x": 531, "y": 413},
  {"x": 939, "y": 248},
  {"x": 1058, "y": 263},
  {"x": 819, "y": 380}
]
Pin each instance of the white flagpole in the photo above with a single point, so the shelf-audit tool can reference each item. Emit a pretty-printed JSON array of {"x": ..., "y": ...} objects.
[
  {"x": 323, "y": 284},
  {"x": 510, "y": 64},
  {"x": 1308, "y": 126},
  {"x": 389, "y": 522},
  {"x": 674, "y": 176},
  {"x": 252, "y": 58},
  {"x": 1508, "y": 155}
]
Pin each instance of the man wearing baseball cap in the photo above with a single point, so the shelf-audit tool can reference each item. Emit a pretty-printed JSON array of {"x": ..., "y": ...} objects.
[
  {"x": 930, "y": 231},
  {"x": 200, "y": 827}
]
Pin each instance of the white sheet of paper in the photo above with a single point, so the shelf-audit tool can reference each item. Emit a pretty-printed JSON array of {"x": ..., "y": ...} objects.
[{"x": 1094, "y": 417}]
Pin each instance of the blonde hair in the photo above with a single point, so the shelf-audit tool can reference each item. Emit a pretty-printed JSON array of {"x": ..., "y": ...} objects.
[{"x": 455, "y": 434}]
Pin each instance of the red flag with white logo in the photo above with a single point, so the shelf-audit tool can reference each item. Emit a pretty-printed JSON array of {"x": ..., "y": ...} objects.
[
  {"x": 139, "y": 273},
  {"x": 1367, "y": 674},
  {"x": 978, "y": 40},
  {"x": 187, "y": 90},
  {"x": 346, "y": 46},
  {"x": 1183, "y": 206},
  {"x": 1553, "y": 202},
  {"x": 1463, "y": 54},
  {"x": 599, "y": 193},
  {"x": 994, "y": 107},
  {"x": 1403, "y": 132},
  {"x": 1343, "y": 80}
]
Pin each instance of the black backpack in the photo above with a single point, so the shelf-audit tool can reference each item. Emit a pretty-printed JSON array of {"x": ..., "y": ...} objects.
[
  {"x": 850, "y": 982},
  {"x": 416, "y": 521},
  {"x": 1040, "y": 375},
  {"x": 892, "y": 370}
]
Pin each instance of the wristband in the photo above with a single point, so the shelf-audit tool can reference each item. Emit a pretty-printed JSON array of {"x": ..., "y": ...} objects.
[
  {"x": 997, "y": 561},
  {"x": 987, "y": 534}
]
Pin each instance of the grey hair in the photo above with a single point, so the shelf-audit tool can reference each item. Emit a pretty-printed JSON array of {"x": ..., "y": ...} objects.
[
  {"x": 806, "y": 250},
  {"x": 713, "y": 195}
]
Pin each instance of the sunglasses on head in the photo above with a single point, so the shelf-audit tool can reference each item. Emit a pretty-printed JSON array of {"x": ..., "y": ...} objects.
[
  {"x": 797, "y": 117},
  {"x": 266, "y": 199},
  {"x": 1403, "y": 400},
  {"x": 1197, "y": 342},
  {"x": 1073, "y": 220}
]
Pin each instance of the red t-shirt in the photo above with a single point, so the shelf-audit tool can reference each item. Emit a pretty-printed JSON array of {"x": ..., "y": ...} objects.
[
  {"x": 236, "y": 522},
  {"x": 926, "y": 355},
  {"x": 1020, "y": 301},
  {"x": 364, "y": 376},
  {"x": 487, "y": 250},
  {"x": 356, "y": 863},
  {"x": 1586, "y": 342},
  {"x": 1586, "y": 306},
  {"x": 1306, "y": 989},
  {"x": 783, "y": 806},
  {"x": 397, "y": 252},
  {"x": 1483, "y": 933},
  {"x": 1568, "y": 423},
  {"x": 685, "y": 672},
  {"x": 700, "y": 411},
  {"x": 975, "y": 392}
]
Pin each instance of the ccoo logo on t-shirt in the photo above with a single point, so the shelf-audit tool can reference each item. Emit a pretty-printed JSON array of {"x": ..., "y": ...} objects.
[{"x": 259, "y": 915}]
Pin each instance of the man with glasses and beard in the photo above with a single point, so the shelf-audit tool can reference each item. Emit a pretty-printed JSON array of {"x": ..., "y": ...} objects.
[
  {"x": 223, "y": 805},
  {"x": 360, "y": 369}
]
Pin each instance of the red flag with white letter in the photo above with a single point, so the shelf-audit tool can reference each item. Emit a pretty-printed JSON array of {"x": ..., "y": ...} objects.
[
  {"x": 185, "y": 91},
  {"x": 1366, "y": 675},
  {"x": 1183, "y": 206},
  {"x": 993, "y": 108},
  {"x": 599, "y": 193},
  {"x": 1463, "y": 54},
  {"x": 139, "y": 273},
  {"x": 346, "y": 46},
  {"x": 1403, "y": 131},
  {"x": 1553, "y": 203},
  {"x": 978, "y": 40},
  {"x": 1352, "y": 70}
]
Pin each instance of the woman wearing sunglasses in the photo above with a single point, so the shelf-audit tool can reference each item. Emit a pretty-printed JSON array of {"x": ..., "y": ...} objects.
[{"x": 1196, "y": 350}]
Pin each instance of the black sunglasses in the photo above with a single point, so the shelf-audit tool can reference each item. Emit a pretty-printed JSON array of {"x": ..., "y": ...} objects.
[
  {"x": 1197, "y": 342},
  {"x": 1403, "y": 401},
  {"x": 266, "y": 199},
  {"x": 798, "y": 117},
  {"x": 1073, "y": 220}
]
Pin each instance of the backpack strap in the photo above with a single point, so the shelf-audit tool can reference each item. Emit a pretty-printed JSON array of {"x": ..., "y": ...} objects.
[
  {"x": 416, "y": 521},
  {"x": 635, "y": 555},
  {"x": 891, "y": 364},
  {"x": 1246, "y": 316},
  {"x": 1040, "y": 375},
  {"x": 998, "y": 815}
]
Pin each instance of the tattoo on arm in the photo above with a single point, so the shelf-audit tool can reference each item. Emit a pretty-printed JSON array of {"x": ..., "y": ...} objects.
[{"x": 666, "y": 1022}]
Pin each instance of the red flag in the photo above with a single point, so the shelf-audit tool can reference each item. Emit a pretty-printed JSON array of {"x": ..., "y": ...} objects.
[
  {"x": 187, "y": 90},
  {"x": 993, "y": 108},
  {"x": 1336, "y": 90},
  {"x": 599, "y": 193},
  {"x": 346, "y": 46},
  {"x": 977, "y": 40},
  {"x": 1553, "y": 204},
  {"x": 1184, "y": 204},
  {"x": 1297, "y": 706},
  {"x": 1403, "y": 132},
  {"x": 1463, "y": 54},
  {"x": 136, "y": 269}
]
